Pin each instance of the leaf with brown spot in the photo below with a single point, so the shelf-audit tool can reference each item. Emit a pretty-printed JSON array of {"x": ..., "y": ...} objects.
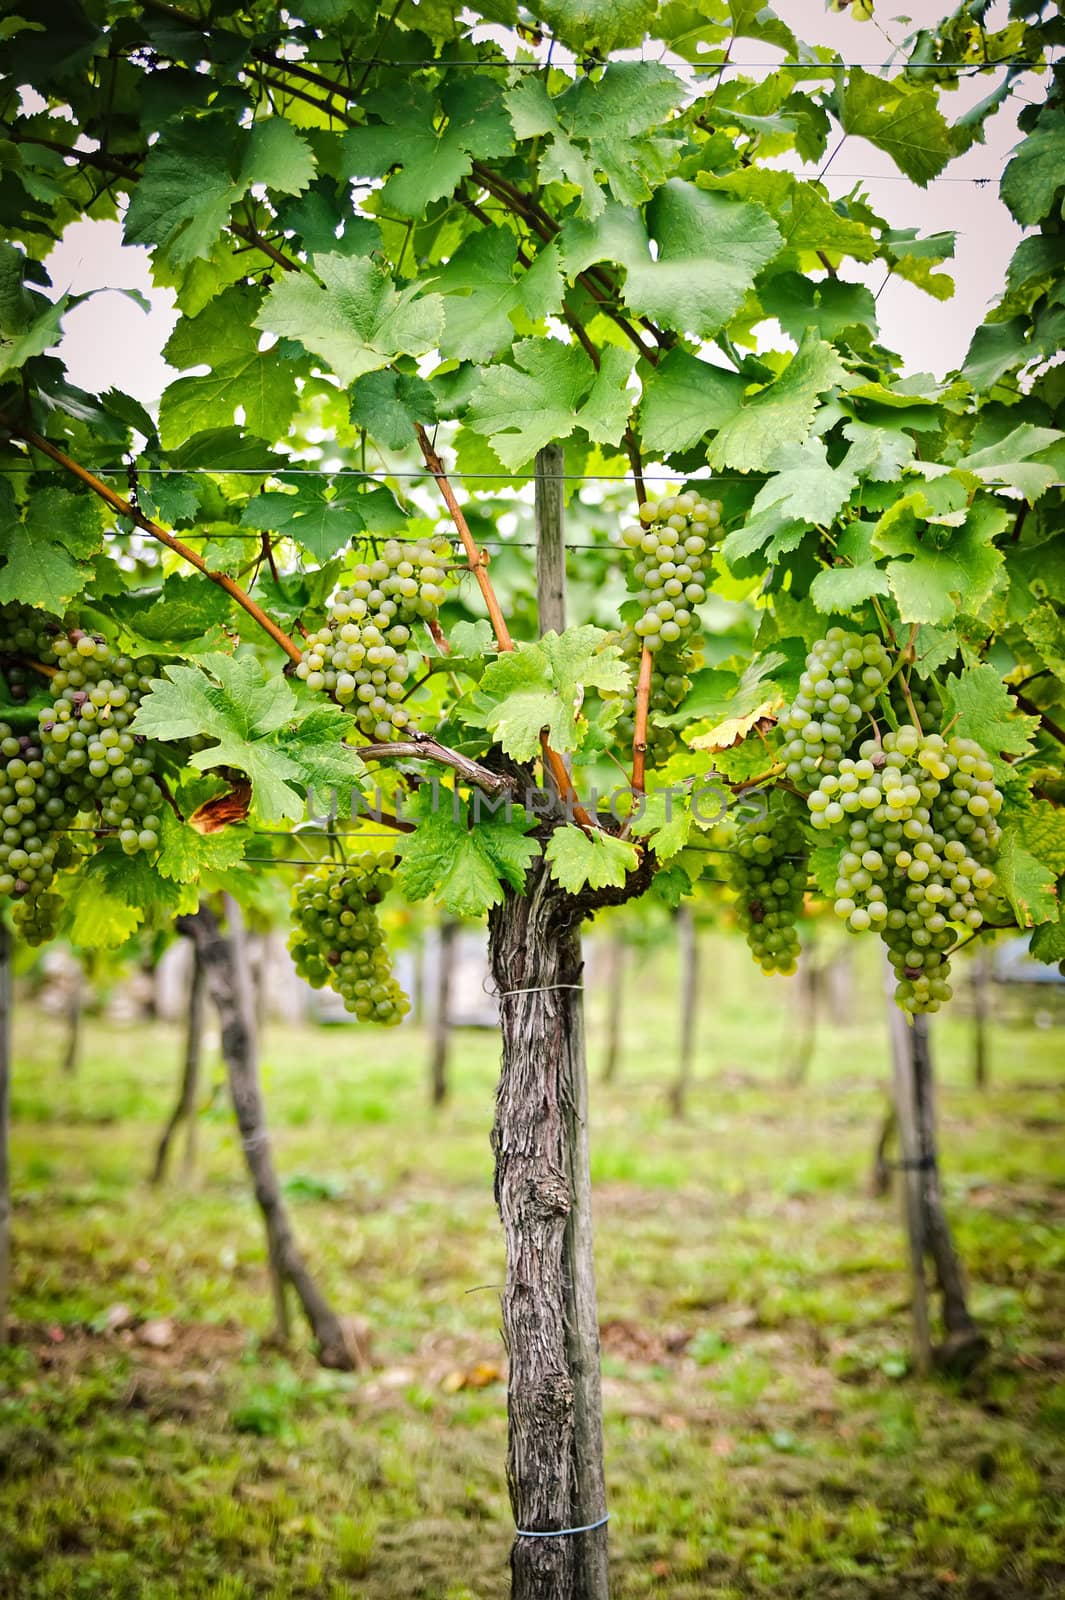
[{"x": 224, "y": 809}]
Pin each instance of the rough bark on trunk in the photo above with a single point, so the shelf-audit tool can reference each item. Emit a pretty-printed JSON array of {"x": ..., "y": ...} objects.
[
  {"x": 229, "y": 984},
  {"x": 615, "y": 997},
  {"x": 542, "y": 1188},
  {"x": 980, "y": 979},
  {"x": 75, "y": 1007},
  {"x": 909, "y": 1149},
  {"x": 446, "y": 950},
  {"x": 689, "y": 988},
  {"x": 5, "y": 1114},
  {"x": 188, "y": 1094},
  {"x": 964, "y": 1344}
]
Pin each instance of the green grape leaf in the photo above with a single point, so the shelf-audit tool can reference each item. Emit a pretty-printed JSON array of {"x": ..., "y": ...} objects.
[
  {"x": 996, "y": 348},
  {"x": 258, "y": 725},
  {"x": 113, "y": 894},
  {"x": 709, "y": 251},
  {"x": 665, "y": 820},
  {"x": 464, "y": 865},
  {"x": 602, "y": 25},
  {"x": 541, "y": 687},
  {"x": 753, "y": 19},
  {"x": 357, "y": 321},
  {"x": 45, "y": 554},
  {"x": 322, "y": 526},
  {"x": 782, "y": 412},
  {"x": 29, "y": 324},
  {"x": 914, "y": 258},
  {"x": 596, "y": 861},
  {"x": 185, "y": 855},
  {"x": 1033, "y": 177},
  {"x": 804, "y": 489},
  {"x": 1028, "y": 884},
  {"x": 186, "y": 617},
  {"x": 934, "y": 569},
  {"x": 261, "y": 383},
  {"x": 277, "y": 156},
  {"x": 1042, "y": 831},
  {"x": 844, "y": 588},
  {"x": 388, "y": 404},
  {"x": 804, "y": 216},
  {"x": 900, "y": 118},
  {"x": 186, "y": 191},
  {"x": 482, "y": 295},
  {"x": 985, "y": 711},
  {"x": 1048, "y": 940},
  {"x": 832, "y": 307},
  {"x": 552, "y": 389},
  {"x": 1010, "y": 461},
  {"x": 879, "y": 454},
  {"x": 432, "y": 159},
  {"x": 685, "y": 397}
]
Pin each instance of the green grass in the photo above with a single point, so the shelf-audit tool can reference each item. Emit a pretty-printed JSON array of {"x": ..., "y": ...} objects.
[{"x": 764, "y": 1433}]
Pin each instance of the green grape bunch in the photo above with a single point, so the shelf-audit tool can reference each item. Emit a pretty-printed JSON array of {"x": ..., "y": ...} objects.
[
  {"x": 768, "y": 867},
  {"x": 33, "y": 809},
  {"x": 673, "y": 545},
  {"x": 107, "y": 772},
  {"x": 337, "y": 938},
  {"x": 844, "y": 674},
  {"x": 917, "y": 815},
  {"x": 361, "y": 655}
]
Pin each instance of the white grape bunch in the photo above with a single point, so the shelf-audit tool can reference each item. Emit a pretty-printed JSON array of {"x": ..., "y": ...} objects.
[
  {"x": 107, "y": 772},
  {"x": 767, "y": 870},
  {"x": 917, "y": 813},
  {"x": 844, "y": 674},
  {"x": 673, "y": 548},
  {"x": 360, "y": 655},
  {"x": 337, "y": 938}
]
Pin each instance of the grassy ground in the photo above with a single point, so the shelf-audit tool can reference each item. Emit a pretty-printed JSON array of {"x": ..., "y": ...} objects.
[{"x": 764, "y": 1434}]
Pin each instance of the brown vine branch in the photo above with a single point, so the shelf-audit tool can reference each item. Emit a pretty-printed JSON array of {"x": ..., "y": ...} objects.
[
  {"x": 639, "y": 737},
  {"x": 428, "y": 749},
  {"x": 123, "y": 507}
]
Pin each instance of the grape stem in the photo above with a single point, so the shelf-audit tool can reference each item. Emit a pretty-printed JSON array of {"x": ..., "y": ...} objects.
[{"x": 123, "y": 507}]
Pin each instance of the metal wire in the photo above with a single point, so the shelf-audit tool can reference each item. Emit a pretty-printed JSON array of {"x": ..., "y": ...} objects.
[{"x": 696, "y": 66}]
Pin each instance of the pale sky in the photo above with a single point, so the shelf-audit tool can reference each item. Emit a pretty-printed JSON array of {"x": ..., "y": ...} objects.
[{"x": 110, "y": 342}]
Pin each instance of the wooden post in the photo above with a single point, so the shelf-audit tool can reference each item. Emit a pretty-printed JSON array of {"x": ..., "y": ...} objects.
[
  {"x": 446, "y": 947},
  {"x": 910, "y": 1152},
  {"x": 229, "y": 984},
  {"x": 185, "y": 1105},
  {"x": 689, "y": 991},
  {"x": 5, "y": 1115},
  {"x": 543, "y": 1190},
  {"x": 75, "y": 1004}
]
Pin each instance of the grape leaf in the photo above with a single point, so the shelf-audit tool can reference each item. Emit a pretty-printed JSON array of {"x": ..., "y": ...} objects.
[
  {"x": 541, "y": 686},
  {"x": 433, "y": 154},
  {"x": 985, "y": 711},
  {"x": 1028, "y": 884},
  {"x": 832, "y": 307},
  {"x": 45, "y": 554},
  {"x": 685, "y": 397},
  {"x": 357, "y": 321},
  {"x": 782, "y": 412},
  {"x": 709, "y": 251},
  {"x": 1010, "y": 461},
  {"x": 933, "y": 570},
  {"x": 464, "y": 865},
  {"x": 664, "y": 818},
  {"x": 1033, "y": 177},
  {"x": 996, "y": 348},
  {"x": 552, "y": 389},
  {"x": 261, "y": 383},
  {"x": 185, "y": 855},
  {"x": 602, "y": 25},
  {"x": 1048, "y": 940},
  {"x": 801, "y": 210},
  {"x": 277, "y": 156},
  {"x": 186, "y": 191},
  {"x": 388, "y": 404},
  {"x": 879, "y": 454},
  {"x": 322, "y": 526},
  {"x": 258, "y": 725},
  {"x": 113, "y": 894},
  {"x": 803, "y": 490},
  {"x": 596, "y": 861},
  {"x": 482, "y": 296},
  {"x": 900, "y": 118}
]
